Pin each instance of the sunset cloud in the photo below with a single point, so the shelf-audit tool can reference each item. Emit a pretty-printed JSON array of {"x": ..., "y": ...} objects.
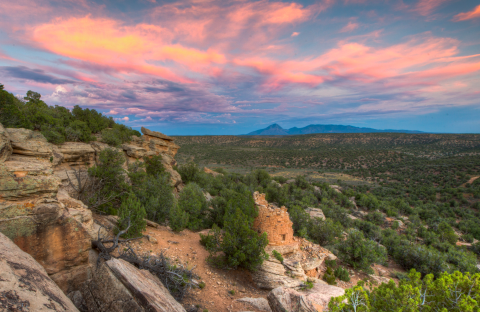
[
  {"x": 426, "y": 7},
  {"x": 234, "y": 62},
  {"x": 475, "y": 13},
  {"x": 351, "y": 26}
]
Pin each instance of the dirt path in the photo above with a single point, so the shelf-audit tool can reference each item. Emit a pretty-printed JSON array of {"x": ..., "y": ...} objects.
[
  {"x": 215, "y": 297},
  {"x": 470, "y": 181}
]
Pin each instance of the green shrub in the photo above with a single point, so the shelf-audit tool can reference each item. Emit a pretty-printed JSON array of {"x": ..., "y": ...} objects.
[
  {"x": 133, "y": 210},
  {"x": 111, "y": 137},
  {"x": 324, "y": 232},
  {"x": 193, "y": 202},
  {"x": 331, "y": 263},
  {"x": 329, "y": 276},
  {"x": 241, "y": 246},
  {"x": 189, "y": 172},
  {"x": 359, "y": 252},
  {"x": 154, "y": 165},
  {"x": 178, "y": 219},
  {"x": 201, "y": 285},
  {"x": 342, "y": 274},
  {"x": 111, "y": 177},
  {"x": 454, "y": 292},
  {"x": 277, "y": 256},
  {"x": 154, "y": 192},
  {"x": 307, "y": 285}
]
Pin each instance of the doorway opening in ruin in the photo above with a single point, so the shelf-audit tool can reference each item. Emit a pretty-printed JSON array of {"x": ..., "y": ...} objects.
[{"x": 284, "y": 237}]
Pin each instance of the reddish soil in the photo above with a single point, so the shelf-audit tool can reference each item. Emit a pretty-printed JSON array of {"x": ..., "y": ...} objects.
[{"x": 185, "y": 247}]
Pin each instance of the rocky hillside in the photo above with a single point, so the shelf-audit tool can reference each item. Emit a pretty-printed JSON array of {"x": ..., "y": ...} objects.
[{"x": 36, "y": 210}]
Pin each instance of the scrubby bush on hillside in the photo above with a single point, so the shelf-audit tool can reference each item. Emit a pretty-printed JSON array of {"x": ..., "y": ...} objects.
[
  {"x": 58, "y": 124},
  {"x": 193, "y": 202},
  {"x": 454, "y": 292},
  {"x": 189, "y": 172},
  {"x": 153, "y": 190},
  {"x": 111, "y": 175},
  {"x": 178, "y": 218},
  {"x": 133, "y": 211},
  {"x": 241, "y": 246},
  {"x": 359, "y": 252},
  {"x": 154, "y": 165}
]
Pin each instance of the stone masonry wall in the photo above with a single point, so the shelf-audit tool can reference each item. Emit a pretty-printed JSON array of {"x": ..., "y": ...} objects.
[{"x": 274, "y": 221}]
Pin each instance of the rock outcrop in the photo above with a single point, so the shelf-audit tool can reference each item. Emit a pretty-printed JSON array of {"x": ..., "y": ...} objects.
[
  {"x": 36, "y": 211},
  {"x": 25, "y": 285},
  {"x": 159, "y": 142},
  {"x": 315, "y": 213},
  {"x": 33, "y": 143},
  {"x": 260, "y": 304},
  {"x": 5, "y": 145},
  {"x": 283, "y": 299},
  {"x": 77, "y": 153},
  {"x": 118, "y": 286},
  {"x": 35, "y": 220},
  {"x": 154, "y": 143}
]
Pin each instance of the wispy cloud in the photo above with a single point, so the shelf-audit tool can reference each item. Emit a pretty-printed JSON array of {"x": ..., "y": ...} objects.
[
  {"x": 351, "y": 26},
  {"x": 475, "y": 13}
]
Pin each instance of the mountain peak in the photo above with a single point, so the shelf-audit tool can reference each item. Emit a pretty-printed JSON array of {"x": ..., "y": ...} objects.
[{"x": 276, "y": 129}]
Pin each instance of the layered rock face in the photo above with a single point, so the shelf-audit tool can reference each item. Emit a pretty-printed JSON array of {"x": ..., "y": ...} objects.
[
  {"x": 32, "y": 216},
  {"x": 153, "y": 143},
  {"x": 25, "y": 285},
  {"x": 38, "y": 214}
]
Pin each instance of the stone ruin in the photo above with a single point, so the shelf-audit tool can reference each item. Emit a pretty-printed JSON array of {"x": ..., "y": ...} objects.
[
  {"x": 274, "y": 221},
  {"x": 302, "y": 259}
]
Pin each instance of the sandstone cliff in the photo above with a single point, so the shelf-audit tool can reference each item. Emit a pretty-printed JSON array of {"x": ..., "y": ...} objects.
[{"x": 36, "y": 211}]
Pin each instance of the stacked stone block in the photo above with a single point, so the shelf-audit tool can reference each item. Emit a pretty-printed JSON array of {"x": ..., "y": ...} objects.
[{"x": 274, "y": 221}]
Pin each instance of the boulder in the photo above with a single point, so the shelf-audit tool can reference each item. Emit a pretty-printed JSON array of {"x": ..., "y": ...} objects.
[
  {"x": 33, "y": 143},
  {"x": 208, "y": 197},
  {"x": 77, "y": 153},
  {"x": 295, "y": 269},
  {"x": 39, "y": 224},
  {"x": 5, "y": 145},
  {"x": 118, "y": 286},
  {"x": 156, "y": 142},
  {"x": 134, "y": 150},
  {"x": 260, "y": 304},
  {"x": 156, "y": 134},
  {"x": 283, "y": 299},
  {"x": 312, "y": 263},
  {"x": 360, "y": 213},
  {"x": 271, "y": 274},
  {"x": 25, "y": 285},
  {"x": 315, "y": 213}
]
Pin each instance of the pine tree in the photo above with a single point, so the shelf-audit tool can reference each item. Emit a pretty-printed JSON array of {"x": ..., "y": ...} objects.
[
  {"x": 178, "y": 218},
  {"x": 132, "y": 209}
]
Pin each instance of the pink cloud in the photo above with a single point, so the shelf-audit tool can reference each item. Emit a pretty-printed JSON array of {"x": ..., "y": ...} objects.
[
  {"x": 426, "y": 7},
  {"x": 294, "y": 34},
  {"x": 351, "y": 26},
  {"x": 475, "y": 13}
]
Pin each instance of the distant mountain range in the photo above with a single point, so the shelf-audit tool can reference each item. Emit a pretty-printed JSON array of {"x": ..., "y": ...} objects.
[{"x": 275, "y": 129}]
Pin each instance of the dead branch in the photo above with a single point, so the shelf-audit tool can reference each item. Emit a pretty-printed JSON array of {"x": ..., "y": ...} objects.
[{"x": 177, "y": 278}]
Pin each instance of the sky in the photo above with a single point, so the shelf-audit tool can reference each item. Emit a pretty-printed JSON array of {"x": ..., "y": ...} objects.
[{"x": 218, "y": 67}]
